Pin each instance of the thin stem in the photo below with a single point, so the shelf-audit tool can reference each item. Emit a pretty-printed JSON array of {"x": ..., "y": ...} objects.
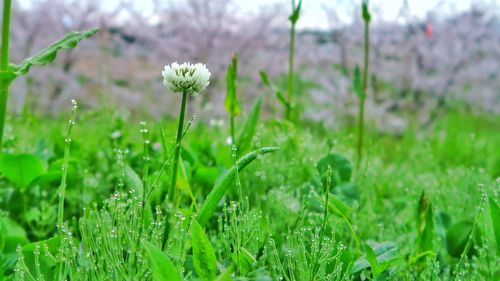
[
  {"x": 4, "y": 61},
  {"x": 361, "y": 117},
  {"x": 363, "y": 92},
  {"x": 62, "y": 187},
  {"x": 233, "y": 140},
  {"x": 325, "y": 219},
  {"x": 288, "y": 110},
  {"x": 4, "y": 64},
  {"x": 173, "y": 183}
]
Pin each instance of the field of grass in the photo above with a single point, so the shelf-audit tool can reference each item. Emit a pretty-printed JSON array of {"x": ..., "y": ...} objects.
[{"x": 416, "y": 209}]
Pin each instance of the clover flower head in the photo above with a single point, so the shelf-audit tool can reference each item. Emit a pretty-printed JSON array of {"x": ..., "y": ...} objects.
[{"x": 186, "y": 78}]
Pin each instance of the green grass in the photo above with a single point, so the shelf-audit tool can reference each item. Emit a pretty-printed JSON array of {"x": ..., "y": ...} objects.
[{"x": 278, "y": 229}]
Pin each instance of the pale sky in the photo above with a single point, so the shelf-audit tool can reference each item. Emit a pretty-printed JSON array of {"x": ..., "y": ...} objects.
[{"x": 313, "y": 12}]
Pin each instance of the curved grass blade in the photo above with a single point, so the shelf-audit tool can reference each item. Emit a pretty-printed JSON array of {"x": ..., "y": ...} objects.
[{"x": 223, "y": 185}]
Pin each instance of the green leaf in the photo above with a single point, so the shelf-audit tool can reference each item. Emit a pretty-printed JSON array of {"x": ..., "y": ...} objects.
[
  {"x": 248, "y": 131},
  {"x": 365, "y": 12},
  {"x": 338, "y": 207},
  {"x": 425, "y": 225},
  {"x": 341, "y": 168},
  {"x": 12, "y": 235},
  {"x": 294, "y": 17},
  {"x": 495, "y": 219},
  {"x": 48, "y": 54},
  {"x": 386, "y": 255},
  {"x": 231, "y": 102},
  {"x": 457, "y": 236},
  {"x": 245, "y": 262},
  {"x": 372, "y": 259},
  {"x": 133, "y": 181},
  {"x": 162, "y": 268},
  {"x": 356, "y": 82},
  {"x": 274, "y": 89},
  {"x": 443, "y": 221},
  {"x": 205, "y": 263},
  {"x": 226, "y": 275},
  {"x": 225, "y": 182},
  {"x": 21, "y": 169}
]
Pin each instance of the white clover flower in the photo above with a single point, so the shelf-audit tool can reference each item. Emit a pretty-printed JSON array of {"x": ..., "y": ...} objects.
[{"x": 186, "y": 78}]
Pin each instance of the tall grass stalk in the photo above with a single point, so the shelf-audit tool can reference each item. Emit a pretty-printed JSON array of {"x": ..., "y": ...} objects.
[
  {"x": 5, "y": 81},
  {"x": 325, "y": 219},
  {"x": 361, "y": 113},
  {"x": 294, "y": 17},
  {"x": 231, "y": 102},
  {"x": 62, "y": 187}
]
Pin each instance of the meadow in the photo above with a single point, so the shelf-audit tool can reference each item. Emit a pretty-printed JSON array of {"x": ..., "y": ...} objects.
[{"x": 101, "y": 194}]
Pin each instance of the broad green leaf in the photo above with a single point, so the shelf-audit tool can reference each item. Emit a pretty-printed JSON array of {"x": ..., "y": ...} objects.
[
  {"x": 48, "y": 54},
  {"x": 425, "y": 225},
  {"x": 12, "y": 235},
  {"x": 205, "y": 263},
  {"x": 161, "y": 267},
  {"x": 21, "y": 169},
  {"x": 341, "y": 168},
  {"x": 225, "y": 182},
  {"x": 51, "y": 176},
  {"x": 231, "y": 102},
  {"x": 457, "y": 236},
  {"x": 386, "y": 255},
  {"x": 248, "y": 131},
  {"x": 356, "y": 82},
  {"x": 495, "y": 219},
  {"x": 133, "y": 181}
]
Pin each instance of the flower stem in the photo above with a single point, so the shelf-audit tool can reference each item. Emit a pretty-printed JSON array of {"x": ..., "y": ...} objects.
[
  {"x": 4, "y": 64},
  {"x": 173, "y": 183}
]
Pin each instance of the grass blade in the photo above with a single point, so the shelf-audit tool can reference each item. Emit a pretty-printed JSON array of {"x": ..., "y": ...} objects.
[{"x": 223, "y": 185}]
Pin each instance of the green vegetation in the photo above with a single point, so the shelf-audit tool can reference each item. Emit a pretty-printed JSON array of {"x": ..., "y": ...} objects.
[{"x": 416, "y": 209}]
